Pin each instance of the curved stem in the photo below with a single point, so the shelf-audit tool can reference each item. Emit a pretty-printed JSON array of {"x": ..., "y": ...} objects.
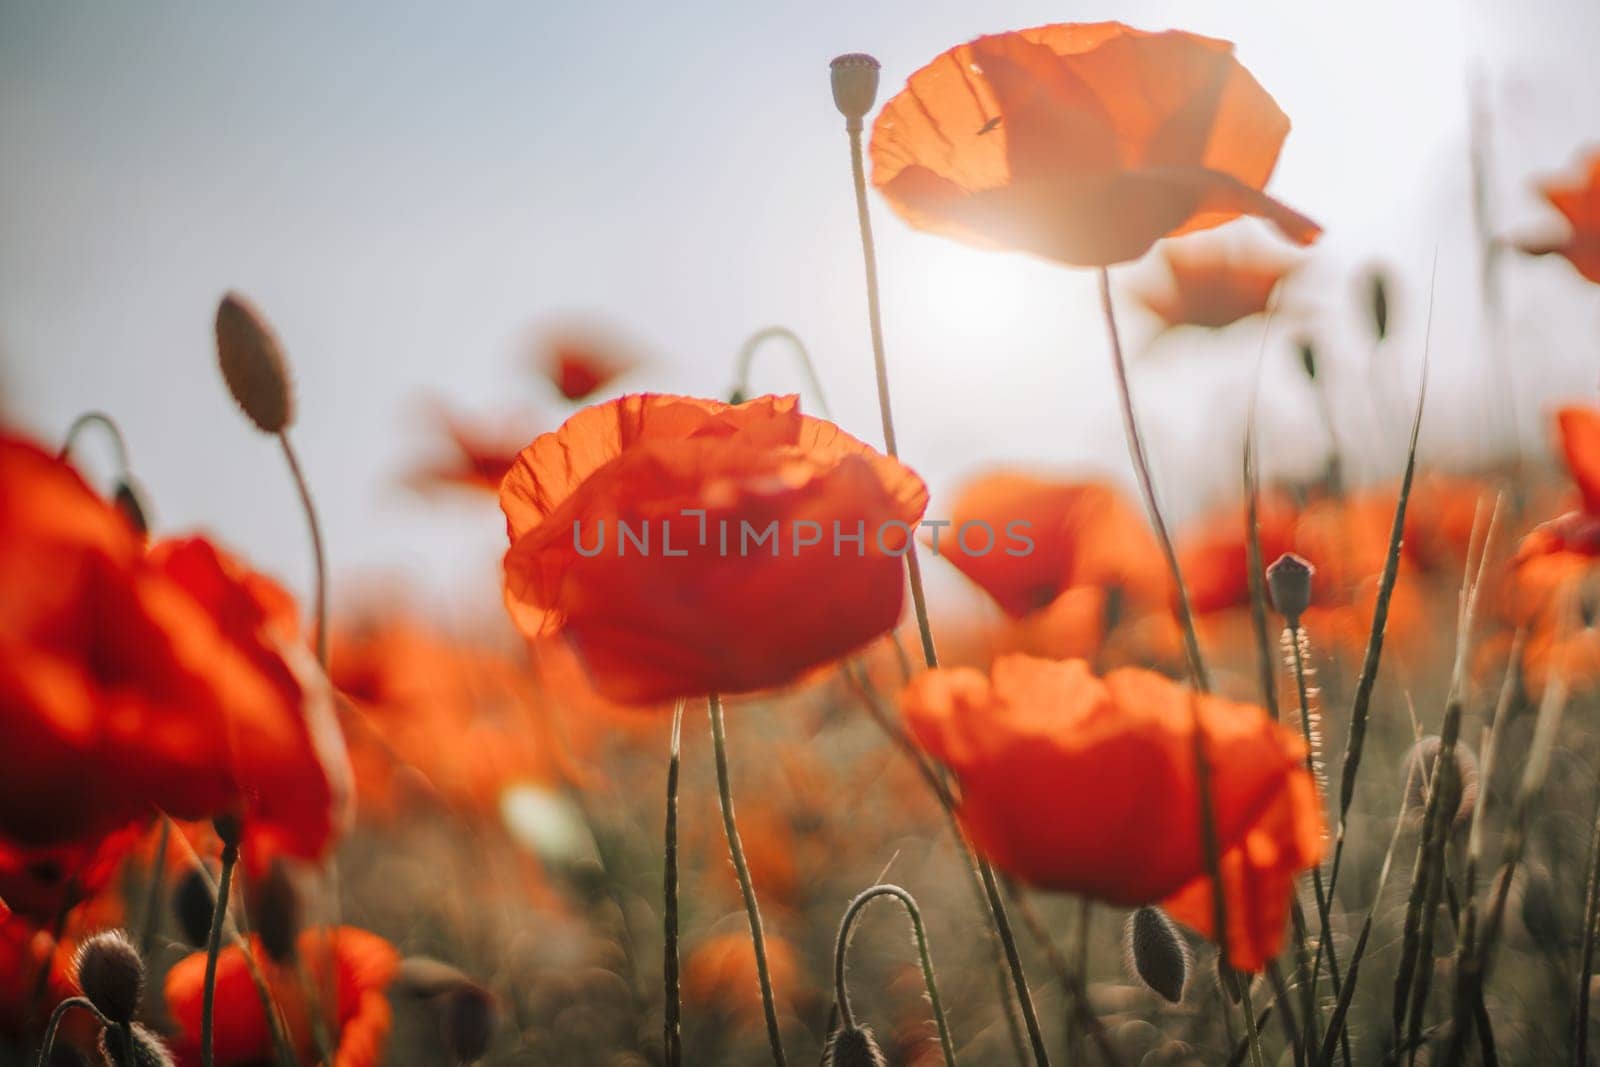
[
  {"x": 842, "y": 995},
  {"x": 55, "y": 1024},
  {"x": 320, "y": 556},
  {"x": 747, "y": 354},
  {"x": 869, "y": 253},
  {"x": 669, "y": 912},
  {"x": 107, "y": 423},
  {"x": 758, "y": 941},
  {"x": 230, "y": 858}
]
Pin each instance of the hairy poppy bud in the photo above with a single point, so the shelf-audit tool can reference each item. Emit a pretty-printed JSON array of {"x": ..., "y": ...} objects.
[
  {"x": 253, "y": 365},
  {"x": 147, "y": 1049},
  {"x": 1378, "y": 302},
  {"x": 855, "y": 85},
  {"x": 111, "y": 974},
  {"x": 1157, "y": 952},
  {"x": 1308, "y": 359},
  {"x": 1289, "y": 584},
  {"x": 854, "y": 1047},
  {"x": 466, "y": 1016},
  {"x": 1463, "y": 786},
  {"x": 192, "y": 903},
  {"x": 277, "y": 912}
]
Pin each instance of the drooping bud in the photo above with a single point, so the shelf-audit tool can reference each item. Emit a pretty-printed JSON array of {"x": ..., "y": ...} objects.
[
  {"x": 192, "y": 903},
  {"x": 147, "y": 1049},
  {"x": 1463, "y": 785},
  {"x": 130, "y": 502},
  {"x": 466, "y": 1016},
  {"x": 1308, "y": 358},
  {"x": 111, "y": 974},
  {"x": 1289, "y": 585},
  {"x": 1157, "y": 952},
  {"x": 1378, "y": 302},
  {"x": 253, "y": 365},
  {"x": 854, "y": 1047},
  {"x": 277, "y": 912},
  {"x": 855, "y": 86}
]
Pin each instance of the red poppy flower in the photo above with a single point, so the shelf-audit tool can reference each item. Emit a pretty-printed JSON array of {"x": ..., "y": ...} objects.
[
  {"x": 1576, "y": 531},
  {"x": 683, "y": 596},
  {"x": 579, "y": 363},
  {"x": 1076, "y": 535},
  {"x": 130, "y": 682},
  {"x": 361, "y": 965},
  {"x": 27, "y": 951},
  {"x": 1579, "y": 202},
  {"x": 1081, "y": 143},
  {"x": 1213, "y": 283},
  {"x": 1087, "y": 785},
  {"x": 473, "y": 457},
  {"x": 44, "y": 883}
]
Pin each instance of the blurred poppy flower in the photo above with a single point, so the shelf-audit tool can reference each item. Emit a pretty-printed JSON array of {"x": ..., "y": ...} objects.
[
  {"x": 132, "y": 682},
  {"x": 1579, "y": 202},
  {"x": 704, "y": 608},
  {"x": 472, "y": 456},
  {"x": 720, "y": 973},
  {"x": 1577, "y": 531},
  {"x": 43, "y": 884},
  {"x": 579, "y": 363},
  {"x": 1086, "y": 785},
  {"x": 1081, "y": 143},
  {"x": 27, "y": 952},
  {"x": 1213, "y": 283},
  {"x": 357, "y": 965}
]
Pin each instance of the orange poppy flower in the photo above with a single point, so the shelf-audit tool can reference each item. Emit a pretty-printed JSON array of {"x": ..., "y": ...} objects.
[
  {"x": 1213, "y": 283},
  {"x": 1577, "y": 531},
  {"x": 1082, "y": 143},
  {"x": 362, "y": 965},
  {"x": 579, "y": 363},
  {"x": 131, "y": 682},
  {"x": 1076, "y": 534},
  {"x": 472, "y": 457},
  {"x": 1579, "y": 202},
  {"x": 1086, "y": 785},
  {"x": 719, "y": 566},
  {"x": 720, "y": 973}
]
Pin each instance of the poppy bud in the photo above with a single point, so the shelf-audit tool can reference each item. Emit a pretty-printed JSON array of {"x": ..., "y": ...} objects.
[
  {"x": 1419, "y": 768},
  {"x": 253, "y": 365},
  {"x": 1230, "y": 981},
  {"x": 147, "y": 1049},
  {"x": 193, "y": 904},
  {"x": 467, "y": 1018},
  {"x": 128, "y": 501},
  {"x": 111, "y": 974},
  {"x": 277, "y": 912},
  {"x": 1308, "y": 359},
  {"x": 1157, "y": 952},
  {"x": 1378, "y": 302},
  {"x": 854, "y": 1047},
  {"x": 228, "y": 827},
  {"x": 1289, "y": 585},
  {"x": 855, "y": 85}
]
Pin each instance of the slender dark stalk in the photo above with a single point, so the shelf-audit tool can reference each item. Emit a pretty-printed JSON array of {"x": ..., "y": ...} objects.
[
  {"x": 842, "y": 945},
  {"x": 97, "y": 418},
  {"x": 319, "y": 556},
  {"x": 1591, "y": 915},
  {"x": 60, "y": 1013},
  {"x": 230, "y": 859},
  {"x": 752, "y": 909},
  {"x": 672, "y": 995},
  {"x": 152, "y": 897},
  {"x": 753, "y": 343},
  {"x": 869, "y": 253}
]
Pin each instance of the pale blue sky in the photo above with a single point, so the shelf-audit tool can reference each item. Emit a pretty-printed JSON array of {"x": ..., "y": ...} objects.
[{"x": 407, "y": 189}]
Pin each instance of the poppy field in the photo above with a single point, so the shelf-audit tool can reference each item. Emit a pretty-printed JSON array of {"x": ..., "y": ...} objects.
[{"x": 757, "y": 745}]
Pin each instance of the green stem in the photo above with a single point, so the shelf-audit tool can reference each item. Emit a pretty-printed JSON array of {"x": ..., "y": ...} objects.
[
  {"x": 230, "y": 858},
  {"x": 672, "y": 1030},
  {"x": 55, "y": 1024},
  {"x": 719, "y": 747},
  {"x": 106, "y": 422},
  {"x": 319, "y": 555},
  {"x": 842, "y": 995},
  {"x": 747, "y": 354}
]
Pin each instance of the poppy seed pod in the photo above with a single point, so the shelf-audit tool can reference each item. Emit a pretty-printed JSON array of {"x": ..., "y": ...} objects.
[
  {"x": 192, "y": 903},
  {"x": 1156, "y": 952},
  {"x": 1289, "y": 585},
  {"x": 111, "y": 974},
  {"x": 147, "y": 1049},
  {"x": 855, "y": 1046},
  {"x": 253, "y": 365},
  {"x": 855, "y": 85},
  {"x": 466, "y": 1015},
  {"x": 277, "y": 912}
]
